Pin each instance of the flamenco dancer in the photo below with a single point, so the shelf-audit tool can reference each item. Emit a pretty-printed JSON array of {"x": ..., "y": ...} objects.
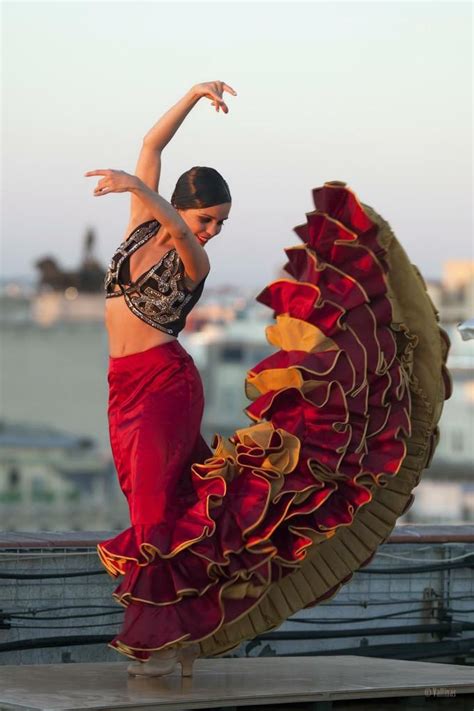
[{"x": 227, "y": 542}]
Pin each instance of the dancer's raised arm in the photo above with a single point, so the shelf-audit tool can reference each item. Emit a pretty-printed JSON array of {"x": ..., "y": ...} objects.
[{"x": 148, "y": 167}]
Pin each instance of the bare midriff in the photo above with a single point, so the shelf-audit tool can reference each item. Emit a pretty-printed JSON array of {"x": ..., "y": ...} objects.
[{"x": 127, "y": 333}]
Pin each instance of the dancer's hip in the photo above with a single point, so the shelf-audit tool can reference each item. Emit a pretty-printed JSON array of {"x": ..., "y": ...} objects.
[
  {"x": 167, "y": 369},
  {"x": 162, "y": 352}
]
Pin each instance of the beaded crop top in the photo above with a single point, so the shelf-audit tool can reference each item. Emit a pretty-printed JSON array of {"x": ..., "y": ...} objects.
[{"x": 159, "y": 296}]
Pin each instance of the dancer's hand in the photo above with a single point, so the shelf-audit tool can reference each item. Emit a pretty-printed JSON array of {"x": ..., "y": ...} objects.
[
  {"x": 214, "y": 90},
  {"x": 114, "y": 181}
]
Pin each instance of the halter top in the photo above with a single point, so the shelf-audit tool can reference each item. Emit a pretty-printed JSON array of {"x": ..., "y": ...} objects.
[{"x": 159, "y": 296}]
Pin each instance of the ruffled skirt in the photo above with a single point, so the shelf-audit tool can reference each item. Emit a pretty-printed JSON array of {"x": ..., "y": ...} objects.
[{"x": 226, "y": 543}]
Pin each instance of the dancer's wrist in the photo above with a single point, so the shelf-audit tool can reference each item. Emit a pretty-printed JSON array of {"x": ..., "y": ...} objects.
[{"x": 137, "y": 186}]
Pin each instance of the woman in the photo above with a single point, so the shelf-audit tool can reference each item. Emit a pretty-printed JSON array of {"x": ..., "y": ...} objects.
[
  {"x": 157, "y": 275},
  {"x": 277, "y": 517}
]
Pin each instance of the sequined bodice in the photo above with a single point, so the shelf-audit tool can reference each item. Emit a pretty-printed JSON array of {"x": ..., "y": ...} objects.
[{"x": 159, "y": 296}]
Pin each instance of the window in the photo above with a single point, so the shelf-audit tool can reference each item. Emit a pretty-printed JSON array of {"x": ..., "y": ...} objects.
[{"x": 232, "y": 354}]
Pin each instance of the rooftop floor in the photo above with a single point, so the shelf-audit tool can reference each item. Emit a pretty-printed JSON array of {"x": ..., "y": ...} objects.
[{"x": 221, "y": 683}]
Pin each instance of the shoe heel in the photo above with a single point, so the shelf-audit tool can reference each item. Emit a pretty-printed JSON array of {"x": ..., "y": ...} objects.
[{"x": 186, "y": 657}]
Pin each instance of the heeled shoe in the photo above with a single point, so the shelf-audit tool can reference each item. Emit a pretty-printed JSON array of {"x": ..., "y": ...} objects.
[
  {"x": 160, "y": 663},
  {"x": 186, "y": 656}
]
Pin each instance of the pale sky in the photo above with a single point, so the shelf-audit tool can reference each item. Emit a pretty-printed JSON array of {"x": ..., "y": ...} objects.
[{"x": 375, "y": 94}]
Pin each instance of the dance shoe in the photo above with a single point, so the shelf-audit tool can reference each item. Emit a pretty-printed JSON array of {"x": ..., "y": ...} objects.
[
  {"x": 164, "y": 661},
  {"x": 160, "y": 663}
]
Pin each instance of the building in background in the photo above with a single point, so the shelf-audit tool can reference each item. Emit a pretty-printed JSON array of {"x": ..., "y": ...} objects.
[
  {"x": 51, "y": 480},
  {"x": 447, "y": 493},
  {"x": 453, "y": 295}
]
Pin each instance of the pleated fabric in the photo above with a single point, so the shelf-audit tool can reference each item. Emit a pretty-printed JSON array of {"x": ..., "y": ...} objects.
[{"x": 228, "y": 542}]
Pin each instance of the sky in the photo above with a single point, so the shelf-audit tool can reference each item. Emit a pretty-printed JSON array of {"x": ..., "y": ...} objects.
[{"x": 377, "y": 94}]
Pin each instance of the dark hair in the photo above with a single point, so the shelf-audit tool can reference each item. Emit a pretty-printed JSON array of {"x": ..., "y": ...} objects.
[{"x": 200, "y": 187}]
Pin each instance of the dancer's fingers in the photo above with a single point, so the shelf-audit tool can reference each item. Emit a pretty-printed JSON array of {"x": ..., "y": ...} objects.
[
  {"x": 221, "y": 103},
  {"x": 228, "y": 88},
  {"x": 102, "y": 186},
  {"x": 218, "y": 99},
  {"x": 102, "y": 171},
  {"x": 102, "y": 190}
]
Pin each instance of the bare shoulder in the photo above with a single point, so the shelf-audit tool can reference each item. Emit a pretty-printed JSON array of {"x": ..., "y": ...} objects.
[{"x": 136, "y": 222}]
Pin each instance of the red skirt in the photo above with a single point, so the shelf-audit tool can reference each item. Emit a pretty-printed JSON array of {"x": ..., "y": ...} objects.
[{"x": 228, "y": 542}]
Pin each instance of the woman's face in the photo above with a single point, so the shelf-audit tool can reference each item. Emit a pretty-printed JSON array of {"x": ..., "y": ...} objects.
[{"x": 206, "y": 222}]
